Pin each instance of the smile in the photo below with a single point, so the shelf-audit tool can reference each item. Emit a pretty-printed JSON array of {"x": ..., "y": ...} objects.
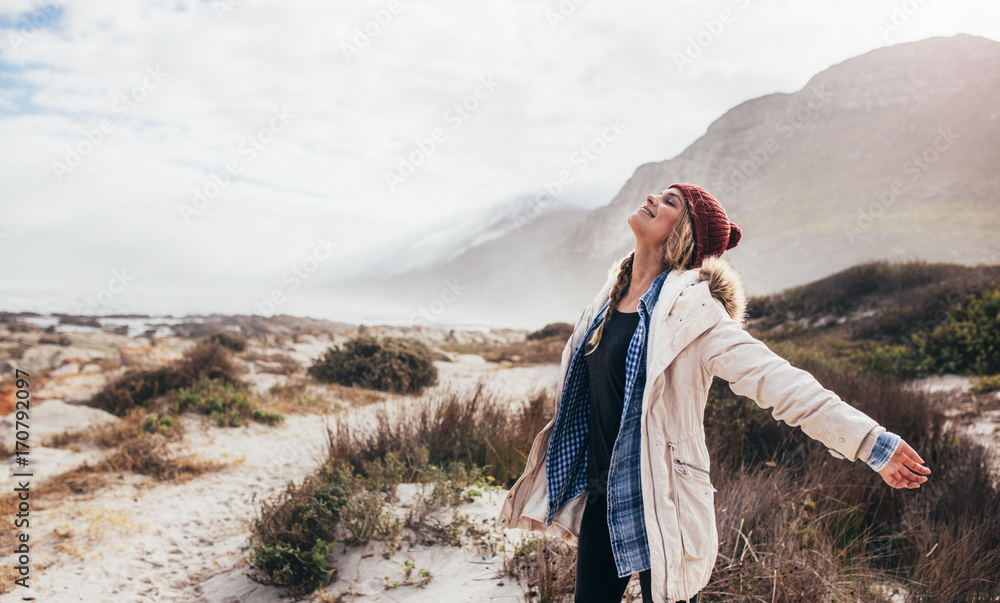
[{"x": 646, "y": 209}]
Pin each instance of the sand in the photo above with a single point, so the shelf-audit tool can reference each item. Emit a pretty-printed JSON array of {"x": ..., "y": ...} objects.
[{"x": 140, "y": 540}]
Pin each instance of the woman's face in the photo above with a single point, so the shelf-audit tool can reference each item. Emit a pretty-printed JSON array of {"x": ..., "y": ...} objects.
[{"x": 653, "y": 221}]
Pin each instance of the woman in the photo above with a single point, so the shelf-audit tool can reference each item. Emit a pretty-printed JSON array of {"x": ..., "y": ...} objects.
[{"x": 622, "y": 471}]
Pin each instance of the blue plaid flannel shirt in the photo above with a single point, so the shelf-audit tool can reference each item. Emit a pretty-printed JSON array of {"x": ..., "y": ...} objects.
[{"x": 566, "y": 457}]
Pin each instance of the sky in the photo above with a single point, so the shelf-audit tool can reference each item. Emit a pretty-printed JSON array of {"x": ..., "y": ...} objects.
[{"x": 183, "y": 156}]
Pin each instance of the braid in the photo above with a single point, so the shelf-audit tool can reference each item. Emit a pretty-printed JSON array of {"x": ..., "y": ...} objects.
[{"x": 617, "y": 293}]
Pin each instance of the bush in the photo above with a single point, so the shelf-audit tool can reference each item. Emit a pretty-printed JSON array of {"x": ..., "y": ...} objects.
[
  {"x": 392, "y": 364},
  {"x": 969, "y": 340},
  {"x": 138, "y": 387},
  {"x": 230, "y": 340},
  {"x": 301, "y": 571},
  {"x": 963, "y": 339},
  {"x": 560, "y": 331},
  {"x": 225, "y": 402},
  {"x": 477, "y": 429}
]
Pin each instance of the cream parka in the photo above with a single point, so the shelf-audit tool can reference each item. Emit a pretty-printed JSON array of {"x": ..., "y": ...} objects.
[{"x": 696, "y": 332}]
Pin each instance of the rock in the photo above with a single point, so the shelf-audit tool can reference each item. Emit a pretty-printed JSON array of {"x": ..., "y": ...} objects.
[
  {"x": 8, "y": 399},
  {"x": 148, "y": 356},
  {"x": 75, "y": 388},
  {"x": 47, "y": 463},
  {"x": 55, "y": 339},
  {"x": 66, "y": 369},
  {"x": 52, "y": 357},
  {"x": 51, "y": 418},
  {"x": 40, "y": 358},
  {"x": 443, "y": 356}
]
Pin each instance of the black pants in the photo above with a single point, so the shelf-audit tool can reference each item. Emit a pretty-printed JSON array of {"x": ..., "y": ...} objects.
[{"x": 597, "y": 578}]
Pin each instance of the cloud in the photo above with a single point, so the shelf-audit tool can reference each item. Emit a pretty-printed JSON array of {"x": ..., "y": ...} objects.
[{"x": 562, "y": 69}]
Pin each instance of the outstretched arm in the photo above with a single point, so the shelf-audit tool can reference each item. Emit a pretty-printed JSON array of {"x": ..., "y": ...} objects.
[{"x": 796, "y": 397}]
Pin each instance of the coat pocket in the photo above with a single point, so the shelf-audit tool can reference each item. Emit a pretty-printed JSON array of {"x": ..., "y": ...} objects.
[{"x": 696, "y": 509}]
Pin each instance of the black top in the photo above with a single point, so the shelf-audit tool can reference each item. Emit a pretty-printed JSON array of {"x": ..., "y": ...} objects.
[{"x": 606, "y": 367}]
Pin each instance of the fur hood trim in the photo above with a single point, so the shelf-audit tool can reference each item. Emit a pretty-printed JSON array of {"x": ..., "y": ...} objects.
[{"x": 726, "y": 285}]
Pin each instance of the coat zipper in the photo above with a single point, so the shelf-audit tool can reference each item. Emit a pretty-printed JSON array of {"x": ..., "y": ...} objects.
[
  {"x": 683, "y": 463},
  {"x": 680, "y": 532},
  {"x": 690, "y": 466}
]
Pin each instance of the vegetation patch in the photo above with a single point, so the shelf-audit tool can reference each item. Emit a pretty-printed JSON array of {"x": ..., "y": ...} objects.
[
  {"x": 139, "y": 387},
  {"x": 456, "y": 445},
  {"x": 392, "y": 364}
]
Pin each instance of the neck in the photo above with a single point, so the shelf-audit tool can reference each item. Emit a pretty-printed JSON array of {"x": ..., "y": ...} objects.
[{"x": 646, "y": 267}]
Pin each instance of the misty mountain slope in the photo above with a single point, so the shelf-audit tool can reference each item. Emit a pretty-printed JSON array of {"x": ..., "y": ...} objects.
[
  {"x": 439, "y": 244},
  {"x": 477, "y": 286},
  {"x": 808, "y": 176}
]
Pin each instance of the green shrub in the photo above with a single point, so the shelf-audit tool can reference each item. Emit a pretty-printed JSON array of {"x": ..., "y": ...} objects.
[
  {"x": 159, "y": 423},
  {"x": 986, "y": 385},
  {"x": 230, "y": 340},
  {"x": 392, "y": 364},
  {"x": 225, "y": 402},
  {"x": 969, "y": 340},
  {"x": 301, "y": 571}
]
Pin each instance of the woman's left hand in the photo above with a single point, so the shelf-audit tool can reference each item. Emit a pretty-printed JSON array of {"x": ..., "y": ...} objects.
[{"x": 899, "y": 472}]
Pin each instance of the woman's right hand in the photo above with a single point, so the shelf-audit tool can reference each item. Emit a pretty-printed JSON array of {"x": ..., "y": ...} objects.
[{"x": 901, "y": 470}]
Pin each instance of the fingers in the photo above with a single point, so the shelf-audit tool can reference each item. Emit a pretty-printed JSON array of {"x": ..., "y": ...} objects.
[
  {"x": 898, "y": 475},
  {"x": 909, "y": 451},
  {"x": 911, "y": 459},
  {"x": 912, "y": 464}
]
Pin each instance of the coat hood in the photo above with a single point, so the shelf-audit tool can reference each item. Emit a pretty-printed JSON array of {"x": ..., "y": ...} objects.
[{"x": 726, "y": 285}]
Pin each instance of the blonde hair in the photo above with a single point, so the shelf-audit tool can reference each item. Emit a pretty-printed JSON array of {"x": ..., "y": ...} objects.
[{"x": 676, "y": 253}]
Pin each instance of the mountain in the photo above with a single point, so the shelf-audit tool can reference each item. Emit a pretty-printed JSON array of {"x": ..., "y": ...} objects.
[
  {"x": 441, "y": 244},
  {"x": 889, "y": 155}
]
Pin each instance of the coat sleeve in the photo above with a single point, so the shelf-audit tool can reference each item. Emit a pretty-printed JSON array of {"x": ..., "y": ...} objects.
[{"x": 794, "y": 396}]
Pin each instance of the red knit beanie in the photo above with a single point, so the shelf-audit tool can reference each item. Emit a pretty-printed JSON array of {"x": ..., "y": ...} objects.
[{"x": 713, "y": 232}]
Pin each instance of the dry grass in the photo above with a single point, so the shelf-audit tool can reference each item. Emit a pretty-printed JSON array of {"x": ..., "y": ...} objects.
[
  {"x": 476, "y": 428},
  {"x": 301, "y": 394},
  {"x": 543, "y": 346},
  {"x": 545, "y": 567},
  {"x": 277, "y": 363}
]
